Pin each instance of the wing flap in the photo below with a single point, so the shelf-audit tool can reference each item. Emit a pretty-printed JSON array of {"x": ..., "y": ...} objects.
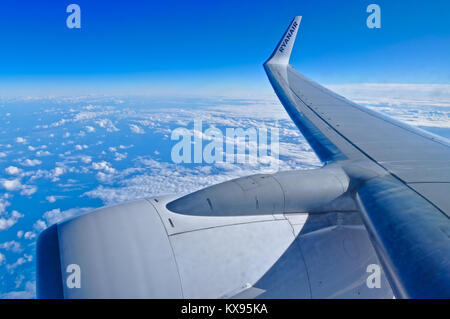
[{"x": 410, "y": 235}]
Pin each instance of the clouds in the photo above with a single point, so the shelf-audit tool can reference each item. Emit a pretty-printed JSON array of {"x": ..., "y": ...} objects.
[
  {"x": 3, "y": 204},
  {"x": 87, "y": 115},
  {"x": 125, "y": 155},
  {"x": 86, "y": 159},
  {"x": 29, "y": 235},
  {"x": 107, "y": 124},
  {"x": 40, "y": 225},
  {"x": 395, "y": 94},
  {"x": 162, "y": 178},
  {"x": 9, "y": 220},
  {"x": 28, "y": 190},
  {"x": 136, "y": 129},
  {"x": 12, "y": 245},
  {"x": 20, "y": 261},
  {"x": 104, "y": 166},
  {"x": 53, "y": 174},
  {"x": 26, "y": 235},
  {"x": 120, "y": 156},
  {"x": 56, "y": 215},
  {"x": 12, "y": 170},
  {"x": 28, "y": 293},
  {"x": 11, "y": 184},
  {"x": 90, "y": 129},
  {"x": 52, "y": 199},
  {"x": 80, "y": 147},
  {"x": 43, "y": 153},
  {"x": 58, "y": 171},
  {"x": 416, "y": 104},
  {"x": 30, "y": 163}
]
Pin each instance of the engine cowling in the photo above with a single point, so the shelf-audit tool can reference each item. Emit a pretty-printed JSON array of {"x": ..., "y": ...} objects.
[
  {"x": 287, "y": 235},
  {"x": 316, "y": 190}
]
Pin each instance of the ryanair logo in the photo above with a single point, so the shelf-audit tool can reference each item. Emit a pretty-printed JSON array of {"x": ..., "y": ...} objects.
[{"x": 288, "y": 37}]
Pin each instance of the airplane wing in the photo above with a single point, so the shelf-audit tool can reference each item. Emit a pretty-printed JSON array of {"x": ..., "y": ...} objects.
[
  {"x": 381, "y": 197},
  {"x": 401, "y": 174}
]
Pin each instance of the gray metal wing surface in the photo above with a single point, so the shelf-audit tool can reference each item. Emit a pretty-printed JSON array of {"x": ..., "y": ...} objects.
[{"x": 401, "y": 174}]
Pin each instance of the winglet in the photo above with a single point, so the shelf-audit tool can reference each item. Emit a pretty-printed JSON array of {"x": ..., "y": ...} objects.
[{"x": 283, "y": 51}]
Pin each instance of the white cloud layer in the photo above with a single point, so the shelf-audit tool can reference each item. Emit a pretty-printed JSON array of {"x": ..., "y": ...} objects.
[{"x": 93, "y": 154}]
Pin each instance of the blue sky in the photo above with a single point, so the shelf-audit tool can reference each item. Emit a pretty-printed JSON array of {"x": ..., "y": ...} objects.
[{"x": 216, "y": 46}]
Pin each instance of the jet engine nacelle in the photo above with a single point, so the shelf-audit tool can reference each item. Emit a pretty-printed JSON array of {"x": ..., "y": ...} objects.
[
  {"x": 286, "y": 235},
  {"x": 315, "y": 190}
]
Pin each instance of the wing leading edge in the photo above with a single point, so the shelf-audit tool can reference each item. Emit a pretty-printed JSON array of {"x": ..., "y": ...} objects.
[{"x": 400, "y": 174}]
